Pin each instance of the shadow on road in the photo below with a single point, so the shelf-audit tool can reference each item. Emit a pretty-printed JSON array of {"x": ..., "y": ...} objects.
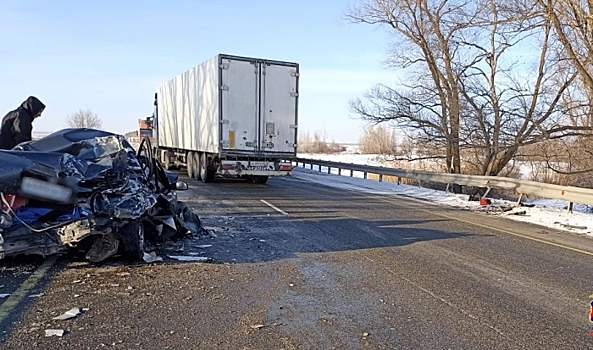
[{"x": 244, "y": 229}]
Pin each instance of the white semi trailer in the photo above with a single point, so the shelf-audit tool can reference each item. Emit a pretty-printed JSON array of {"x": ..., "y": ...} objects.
[{"x": 232, "y": 116}]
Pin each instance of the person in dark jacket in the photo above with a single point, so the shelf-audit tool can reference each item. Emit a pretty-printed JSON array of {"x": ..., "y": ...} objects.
[{"x": 17, "y": 125}]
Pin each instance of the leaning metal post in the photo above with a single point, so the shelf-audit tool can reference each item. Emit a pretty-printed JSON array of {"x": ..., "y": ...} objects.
[
  {"x": 486, "y": 193},
  {"x": 520, "y": 199}
]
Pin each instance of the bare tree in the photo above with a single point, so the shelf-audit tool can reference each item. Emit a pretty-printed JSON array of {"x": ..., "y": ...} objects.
[
  {"x": 572, "y": 21},
  {"x": 425, "y": 32},
  {"x": 506, "y": 107},
  {"x": 572, "y": 24},
  {"x": 472, "y": 92},
  {"x": 84, "y": 119}
]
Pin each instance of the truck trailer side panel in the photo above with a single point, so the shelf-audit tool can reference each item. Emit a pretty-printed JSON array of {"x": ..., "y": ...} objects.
[{"x": 188, "y": 110}]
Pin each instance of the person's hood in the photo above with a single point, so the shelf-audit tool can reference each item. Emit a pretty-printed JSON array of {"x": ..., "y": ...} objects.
[{"x": 32, "y": 105}]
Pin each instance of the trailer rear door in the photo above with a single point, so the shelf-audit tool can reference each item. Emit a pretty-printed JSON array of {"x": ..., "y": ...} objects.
[
  {"x": 240, "y": 104},
  {"x": 279, "y": 94}
]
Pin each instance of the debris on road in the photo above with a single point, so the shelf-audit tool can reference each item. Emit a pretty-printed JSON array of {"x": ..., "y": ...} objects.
[
  {"x": 88, "y": 188},
  {"x": 2, "y": 296},
  {"x": 68, "y": 314},
  {"x": 485, "y": 202},
  {"x": 54, "y": 332},
  {"x": 152, "y": 257},
  {"x": 575, "y": 227},
  {"x": 190, "y": 258},
  {"x": 257, "y": 326}
]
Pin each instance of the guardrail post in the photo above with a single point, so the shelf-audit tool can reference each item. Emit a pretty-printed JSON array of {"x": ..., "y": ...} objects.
[
  {"x": 365, "y": 175},
  {"x": 570, "y": 206},
  {"x": 380, "y": 177},
  {"x": 319, "y": 167},
  {"x": 520, "y": 199},
  {"x": 486, "y": 193},
  {"x": 329, "y": 170},
  {"x": 351, "y": 173},
  {"x": 311, "y": 166},
  {"x": 399, "y": 180},
  {"x": 339, "y": 171}
]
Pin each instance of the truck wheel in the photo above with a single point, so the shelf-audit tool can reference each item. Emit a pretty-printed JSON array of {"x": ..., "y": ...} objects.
[
  {"x": 210, "y": 174},
  {"x": 196, "y": 165},
  {"x": 189, "y": 159},
  {"x": 132, "y": 240},
  {"x": 259, "y": 179},
  {"x": 206, "y": 174}
]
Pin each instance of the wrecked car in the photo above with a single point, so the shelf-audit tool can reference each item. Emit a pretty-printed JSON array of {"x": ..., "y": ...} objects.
[{"x": 90, "y": 190}]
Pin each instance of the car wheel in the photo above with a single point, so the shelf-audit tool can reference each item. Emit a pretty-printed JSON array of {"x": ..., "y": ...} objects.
[{"x": 133, "y": 241}]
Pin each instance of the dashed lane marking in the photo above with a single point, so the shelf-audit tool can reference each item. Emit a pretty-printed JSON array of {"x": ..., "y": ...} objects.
[{"x": 274, "y": 207}]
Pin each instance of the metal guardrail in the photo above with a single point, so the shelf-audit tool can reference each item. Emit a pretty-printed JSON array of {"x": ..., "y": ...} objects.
[{"x": 570, "y": 194}]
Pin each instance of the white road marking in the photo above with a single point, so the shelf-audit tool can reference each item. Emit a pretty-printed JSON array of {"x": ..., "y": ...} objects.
[
  {"x": 17, "y": 296},
  {"x": 274, "y": 207}
]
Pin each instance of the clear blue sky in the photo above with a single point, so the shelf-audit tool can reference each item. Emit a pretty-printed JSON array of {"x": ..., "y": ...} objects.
[{"x": 109, "y": 56}]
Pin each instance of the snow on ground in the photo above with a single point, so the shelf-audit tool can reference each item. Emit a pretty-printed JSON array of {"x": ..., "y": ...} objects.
[
  {"x": 544, "y": 212},
  {"x": 345, "y": 157}
]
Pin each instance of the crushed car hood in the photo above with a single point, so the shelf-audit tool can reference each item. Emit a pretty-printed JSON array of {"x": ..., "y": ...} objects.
[{"x": 112, "y": 187}]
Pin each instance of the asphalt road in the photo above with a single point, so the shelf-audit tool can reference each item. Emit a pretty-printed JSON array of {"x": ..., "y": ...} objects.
[{"x": 302, "y": 266}]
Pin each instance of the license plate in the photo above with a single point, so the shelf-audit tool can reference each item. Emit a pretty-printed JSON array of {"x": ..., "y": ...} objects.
[
  {"x": 260, "y": 166},
  {"x": 31, "y": 187}
]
